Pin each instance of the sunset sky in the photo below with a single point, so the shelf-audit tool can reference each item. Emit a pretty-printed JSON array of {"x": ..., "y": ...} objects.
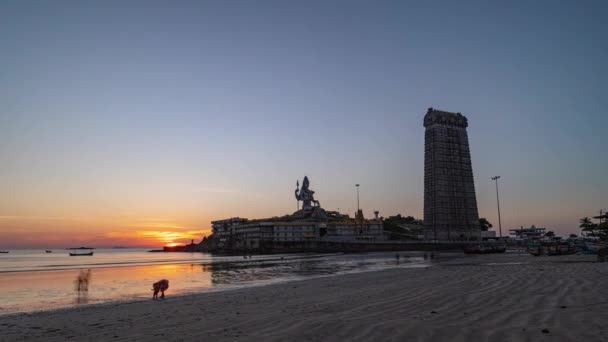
[{"x": 138, "y": 122}]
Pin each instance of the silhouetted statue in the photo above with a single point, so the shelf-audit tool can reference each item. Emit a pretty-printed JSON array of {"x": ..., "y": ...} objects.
[{"x": 306, "y": 195}]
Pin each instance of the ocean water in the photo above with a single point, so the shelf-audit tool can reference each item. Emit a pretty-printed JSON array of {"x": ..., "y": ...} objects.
[{"x": 32, "y": 280}]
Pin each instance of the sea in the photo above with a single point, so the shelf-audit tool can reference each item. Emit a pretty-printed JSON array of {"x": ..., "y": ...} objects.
[{"x": 33, "y": 280}]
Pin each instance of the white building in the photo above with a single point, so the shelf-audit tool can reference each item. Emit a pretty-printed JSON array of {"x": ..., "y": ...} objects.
[{"x": 238, "y": 233}]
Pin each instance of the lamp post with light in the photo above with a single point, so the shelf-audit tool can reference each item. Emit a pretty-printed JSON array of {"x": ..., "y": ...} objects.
[
  {"x": 495, "y": 179},
  {"x": 357, "y": 185}
]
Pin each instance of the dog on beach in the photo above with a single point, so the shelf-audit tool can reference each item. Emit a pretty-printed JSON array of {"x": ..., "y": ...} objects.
[{"x": 160, "y": 286}]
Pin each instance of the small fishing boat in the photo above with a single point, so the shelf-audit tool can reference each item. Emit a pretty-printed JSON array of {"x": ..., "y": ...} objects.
[
  {"x": 47, "y": 251},
  {"x": 81, "y": 251},
  {"x": 4, "y": 252},
  {"x": 81, "y": 254}
]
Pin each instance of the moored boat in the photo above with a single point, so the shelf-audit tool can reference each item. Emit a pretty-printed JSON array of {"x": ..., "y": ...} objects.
[
  {"x": 81, "y": 251},
  {"x": 81, "y": 254},
  {"x": 4, "y": 252}
]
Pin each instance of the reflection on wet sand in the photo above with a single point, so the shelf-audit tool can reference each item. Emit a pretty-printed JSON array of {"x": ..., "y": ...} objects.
[{"x": 55, "y": 289}]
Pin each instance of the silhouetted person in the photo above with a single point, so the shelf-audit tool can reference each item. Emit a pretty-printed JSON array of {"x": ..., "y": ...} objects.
[
  {"x": 81, "y": 285},
  {"x": 161, "y": 285},
  {"x": 82, "y": 281}
]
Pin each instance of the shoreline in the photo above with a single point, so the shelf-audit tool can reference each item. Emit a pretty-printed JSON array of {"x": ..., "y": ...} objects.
[
  {"x": 482, "y": 298},
  {"x": 183, "y": 296},
  {"x": 163, "y": 262},
  {"x": 123, "y": 284},
  {"x": 225, "y": 287}
]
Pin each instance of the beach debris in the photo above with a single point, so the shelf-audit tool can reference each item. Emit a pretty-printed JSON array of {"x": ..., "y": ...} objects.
[{"x": 545, "y": 331}]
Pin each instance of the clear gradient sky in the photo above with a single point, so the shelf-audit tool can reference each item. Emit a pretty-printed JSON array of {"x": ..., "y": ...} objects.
[{"x": 139, "y": 122}]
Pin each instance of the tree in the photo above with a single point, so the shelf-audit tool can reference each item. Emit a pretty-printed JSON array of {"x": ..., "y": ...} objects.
[
  {"x": 402, "y": 228},
  {"x": 588, "y": 227},
  {"x": 573, "y": 236},
  {"x": 484, "y": 224},
  {"x": 550, "y": 234}
]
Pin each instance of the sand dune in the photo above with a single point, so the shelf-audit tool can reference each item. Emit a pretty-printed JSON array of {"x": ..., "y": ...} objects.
[{"x": 459, "y": 300}]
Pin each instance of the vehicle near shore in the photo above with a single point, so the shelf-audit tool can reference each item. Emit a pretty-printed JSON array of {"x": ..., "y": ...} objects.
[{"x": 550, "y": 248}]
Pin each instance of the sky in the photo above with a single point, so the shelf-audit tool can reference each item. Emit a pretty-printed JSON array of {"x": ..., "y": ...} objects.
[{"x": 138, "y": 122}]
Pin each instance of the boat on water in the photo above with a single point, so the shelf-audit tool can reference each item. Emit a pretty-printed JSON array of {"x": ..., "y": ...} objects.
[
  {"x": 48, "y": 251},
  {"x": 4, "y": 252},
  {"x": 485, "y": 249},
  {"x": 81, "y": 254},
  {"x": 81, "y": 251}
]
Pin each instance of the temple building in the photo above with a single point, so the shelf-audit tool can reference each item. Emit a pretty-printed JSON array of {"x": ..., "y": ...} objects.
[
  {"x": 450, "y": 205},
  {"x": 310, "y": 228}
]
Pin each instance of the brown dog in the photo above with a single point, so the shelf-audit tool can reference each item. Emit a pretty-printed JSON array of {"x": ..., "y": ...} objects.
[{"x": 161, "y": 286}]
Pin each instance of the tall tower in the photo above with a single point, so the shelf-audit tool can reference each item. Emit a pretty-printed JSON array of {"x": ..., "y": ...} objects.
[{"x": 450, "y": 206}]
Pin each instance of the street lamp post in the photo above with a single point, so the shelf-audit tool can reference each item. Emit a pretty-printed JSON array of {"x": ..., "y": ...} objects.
[
  {"x": 357, "y": 185},
  {"x": 495, "y": 178}
]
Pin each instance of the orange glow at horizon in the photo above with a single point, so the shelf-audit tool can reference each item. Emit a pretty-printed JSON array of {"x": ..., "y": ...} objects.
[
  {"x": 29, "y": 232},
  {"x": 163, "y": 238}
]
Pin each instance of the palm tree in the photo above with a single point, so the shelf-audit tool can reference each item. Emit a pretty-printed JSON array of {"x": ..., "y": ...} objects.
[
  {"x": 602, "y": 231},
  {"x": 587, "y": 226}
]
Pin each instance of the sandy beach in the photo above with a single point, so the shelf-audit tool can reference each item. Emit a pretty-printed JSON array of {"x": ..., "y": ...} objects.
[{"x": 476, "y": 298}]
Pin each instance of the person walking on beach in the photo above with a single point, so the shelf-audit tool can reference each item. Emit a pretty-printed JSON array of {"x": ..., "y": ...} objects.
[
  {"x": 81, "y": 285},
  {"x": 82, "y": 281},
  {"x": 161, "y": 285}
]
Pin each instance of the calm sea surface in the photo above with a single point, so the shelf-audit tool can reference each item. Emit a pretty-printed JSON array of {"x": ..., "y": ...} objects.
[{"x": 33, "y": 280}]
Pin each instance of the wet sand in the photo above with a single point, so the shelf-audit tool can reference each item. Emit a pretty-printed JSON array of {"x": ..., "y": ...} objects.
[
  {"x": 478, "y": 298},
  {"x": 30, "y": 291}
]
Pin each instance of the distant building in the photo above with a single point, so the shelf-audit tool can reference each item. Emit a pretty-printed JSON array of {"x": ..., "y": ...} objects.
[
  {"x": 530, "y": 233},
  {"x": 305, "y": 229},
  {"x": 450, "y": 205},
  {"x": 222, "y": 229},
  {"x": 270, "y": 234}
]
